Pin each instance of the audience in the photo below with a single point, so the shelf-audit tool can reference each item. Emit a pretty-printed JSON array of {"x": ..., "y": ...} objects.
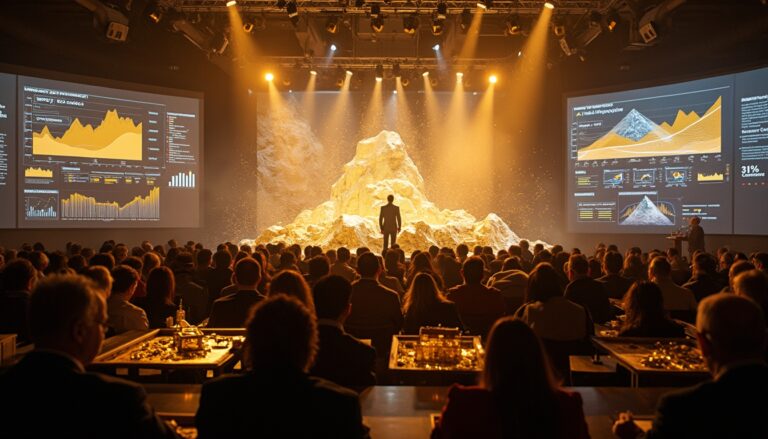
[
  {"x": 341, "y": 358},
  {"x": 232, "y": 311},
  {"x": 753, "y": 284},
  {"x": 425, "y": 305},
  {"x": 18, "y": 280},
  {"x": 704, "y": 281},
  {"x": 159, "y": 304},
  {"x": 479, "y": 306},
  {"x": 67, "y": 320},
  {"x": 341, "y": 266},
  {"x": 101, "y": 278},
  {"x": 122, "y": 315},
  {"x": 613, "y": 282},
  {"x": 679, "y": 301},
  {"x": 292, "y": 283},
  {"x": 192, "y": 296},
  {"x": 276, "y": 398},
  {"x": 517, "y": 396},
  {"x": 731, "y": 333},
  {"x": 586, "y": 291},
  {"x": 645, "y": 314}
]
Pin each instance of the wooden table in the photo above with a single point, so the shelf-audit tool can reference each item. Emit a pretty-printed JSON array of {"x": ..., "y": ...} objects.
[{"x": 404, "y": 411}]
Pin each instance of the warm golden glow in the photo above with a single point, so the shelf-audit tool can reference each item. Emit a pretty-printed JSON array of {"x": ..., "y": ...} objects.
[
  {"x": 269, "y": 76},
  {"x": 493, "y": 79},
  {"x": 549, "y": 5},
  {"x": 231, "y": 3},
  {"x": 374, "y": 113}
]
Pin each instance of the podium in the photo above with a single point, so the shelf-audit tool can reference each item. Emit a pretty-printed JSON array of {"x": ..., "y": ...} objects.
[{"x": 678, "y": 242}]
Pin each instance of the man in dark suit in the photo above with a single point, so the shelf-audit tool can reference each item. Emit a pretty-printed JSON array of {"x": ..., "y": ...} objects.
[
  {"x": 479, "y": 306},
  {"x": 731, "y": 334},
  {"x": 376, "y": 312},
  {"x": 389, "y": 222},
  {"x": 695, "y": 237},
  {"x": 231, "y": 311},
  {"x": 586, "y": 291},
  {"x": 614, "y": 283},
  {"x": 341, "y": 358},
  {"x": 49, "y": 393},
  {"x": 277, "y": 398}
]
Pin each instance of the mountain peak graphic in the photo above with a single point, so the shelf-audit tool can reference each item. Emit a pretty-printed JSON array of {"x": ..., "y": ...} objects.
[
  {"x": 646, "y": 213},
  {"x": 634, "y": 126}
]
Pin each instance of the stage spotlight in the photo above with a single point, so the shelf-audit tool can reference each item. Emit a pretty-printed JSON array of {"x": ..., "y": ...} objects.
[
  {"x": 493, "y": 79},
  {"x": 247, "y": 27},
  {"x": 396, "y": 71},
  {"x": 377, "y": 24},
  {"x": 340, "y": 82},
  {"x": 269, "y": 77},
  {"x": 433, "y": 81},
  {"x": 437, "y": 26},
  {"x": 549, "y": 5},
  {"x": 410, "y": 24},
  {"x": 484, "y": 4},
  {"x": 513, "y": 25},
  {"x": 425, "y": 73},
  {"x": 442, "y": 11},
  {"x": 154, "y": 12},
  {"x": 379, "y": 72},
  {"x": 611, "y": 21},
  {"x": 405, "y": 82},
  {"x": 293, "y": 12},
  {"x": 558, "y": 27},
  {"x": 465, "y": 20},
  {"x": 231, "y": 3},
  {"x": 436, "y": 47},
  {"x": 333, "y": 47},
  {"x": 313, "y": 72},
  {"x": 287, "y": 82},
  {"x": 332, "y": 25},
  {"x": 459, "y": 76},
  {"x": 349, "y": 72}
]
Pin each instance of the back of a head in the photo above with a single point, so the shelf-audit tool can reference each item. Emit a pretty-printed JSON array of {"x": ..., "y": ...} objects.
[
  {"x": 134, "y": 262},
  {"x": 423, "y": 294},
  {"x": 544, "y": 255},
  {"x": 753, "y": 284},
  {"x": 705, "y": 263},
  {"x": 281, "y": 335},
  {"x": 578, "y": 264},
  {"x": 390, "y": 198},
  {"x": 367, "y": 265},
  {"x": 57, "y": 303},
  {"x": 103, "y": 259},
  {"x": 473, "y": 270},
  {"x": 761, "y": 261},
  {"x": 735, "y": 326},
  {"x": 291, "y": 283},
  {"x": 101, "y": 278},
  {"x": 343, "y": 254},
  {"x": 613, "y": 262},
  {"x": 643, "y": 302},
  {"x": 203, "y": 258},
  {"x": 515, "y": 250},
  {"x": 287, "y": 259},
  {"x": 543, "y": 284},
  {"x": 161, "y": 285},
  {"x": 248, "y": 272},
  {"x": 319, "y": 266},
  {"x": 462, "y": 250},
  {"x": 660, "y": 267},
  {"x": 739, "y": 267},
  {"x": 433, "y": 250},
  {"x": 332, "y": 296},
  {"x": 512, "y": 263},
  {"x": 123, "y": 278},
  {"x": 17, "y": 275},
  {"x": 513, "y": 356}
]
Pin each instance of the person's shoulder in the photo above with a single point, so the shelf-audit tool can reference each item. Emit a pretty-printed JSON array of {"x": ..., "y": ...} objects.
[
  {"x": 226, "y": 384},
  {"x": 331, "y": 391},
  {"x": 568, "y": 398},
  {"x": 112, "y": 388},
  {"x": 468, "y": 394}
]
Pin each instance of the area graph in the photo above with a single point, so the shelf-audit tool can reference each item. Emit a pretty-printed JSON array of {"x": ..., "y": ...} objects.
[{"x": 82, "y": 207}]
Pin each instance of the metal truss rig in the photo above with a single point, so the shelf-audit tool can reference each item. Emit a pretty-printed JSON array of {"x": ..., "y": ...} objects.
[
  {"x": 562, "y": 7},
  {"x": 369, "y": 63}
]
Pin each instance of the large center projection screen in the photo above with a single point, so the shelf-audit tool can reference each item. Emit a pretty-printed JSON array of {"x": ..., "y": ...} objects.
[
  {"x": 646, "y": 160},
  {"x": 93, "y": 156}
]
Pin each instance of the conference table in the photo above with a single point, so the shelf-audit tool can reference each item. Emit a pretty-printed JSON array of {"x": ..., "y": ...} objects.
[{"x": 404, "y": 411}]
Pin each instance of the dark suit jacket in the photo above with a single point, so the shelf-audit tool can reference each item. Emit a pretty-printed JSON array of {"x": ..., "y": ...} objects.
[
  {"x": 389, "y": 218},
  {"x": 471, "y": 412},
  {"x": 344, "y": 359},
  {"x": 13, "y": 313},
  {"x": 695, "y": 238},
  {"x": 704, "y": 285},
  {"x": 277, "y": 404},
  {"x": 48, "y": 395},
  {"x": 194, "y": 298},
  {"x": 232, "y": 311},
  {"x": 590, "y": 294},
  {"x": 442, "y": 314},
  {"x": 376, "y": 314},
  {"x": 615, "y": 285},
  {"x": 479, "y": 306},
  {"x": 732, "y": 406}
]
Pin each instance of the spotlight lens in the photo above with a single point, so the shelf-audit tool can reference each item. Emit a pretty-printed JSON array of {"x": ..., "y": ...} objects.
[
  {"x": 333, "y": 47},
  {"x": 349, "y": 72},
  {"x": 313, "y": 72},
  {"x": 493, "y": 79},
  {"x": 481, "y": 5},
  {"x": 379, "y": 79},
  {"x": 436, "y": 47},
  {"x": 459, "y": 75},
  {"x": 394, "y": 92},
  {"x": 425, "y": 74},
  {"x": 231, "y": 3},
  {"x": 549, "y": 5},
  {"x": 269, "y": 77}
]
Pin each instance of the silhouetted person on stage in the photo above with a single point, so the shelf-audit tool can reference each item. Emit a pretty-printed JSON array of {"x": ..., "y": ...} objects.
[
  {"x": 695, "y": 237},
  {"x": 389, "y": 222}
]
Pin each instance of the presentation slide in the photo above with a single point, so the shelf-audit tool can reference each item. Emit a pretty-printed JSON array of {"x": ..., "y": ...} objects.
[
  {"x": 7, "y": 148},
  {"x": 92, "y": 156}
]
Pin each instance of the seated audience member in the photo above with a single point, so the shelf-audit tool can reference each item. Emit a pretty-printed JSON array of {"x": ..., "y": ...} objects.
[
  {"x": 318, "y": 267},
  {"x": 149, "y": 261},
  {"x": 736, "y": 269},
  {"x": 159, "y": 304},
  {"x": 753, "y": 284},
  {"x": 277, "y": 398},
  {"x": 193, "y": 297},
  {"x": 479, "y": 306},
  {"x": 103, "y": 259},
  {"x": 220, "y": 276},
  {"x": 450, "y": 270},
  {"x": 122, "y": 314},
  {"x": 77, "y": 263},
  {"x": 287, "y": 262},
  {"x": 634, "y": 269},
  {"x": 341, "y": 266},
  {"x": 331, "y": 255},
  {"x": 101, "y": 278},
  {"x": 425, "y": 305},
  {"x": 422, "y": 263},
  {"x": 731, "y": 334},
  {"x": 341, "y": 358},
  {"x": 389, "y": 281},
  {"x": 203, "y": 261},
  {"x": 678, "y": 300},
  {"x": 614, "y": 283},
  {"x": 517, "y": 396},
  {"x": 376, "y": 312},
  {"x": 512, "y": 282},
  {"x": 40, "y": 261},
  {"x": 704, "y": 280},
  {"x": 67, "y": 319},
  {"x": 292, "y": 283},
  {"x": 232, "y": 311},
  {"x": 393, "y": 266},
  {"x": 18, "y": 280},
  {"x": 586, "y": 291},
  {"x": 760, "y": 260},
  {"x": 645, "y": 315},
  {"x": 57, "y": 263}
]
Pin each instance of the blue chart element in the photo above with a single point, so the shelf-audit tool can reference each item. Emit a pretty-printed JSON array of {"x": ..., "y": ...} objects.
[
  {"x": 613, "y": 178},
  {"x": 40, "y": 206}
]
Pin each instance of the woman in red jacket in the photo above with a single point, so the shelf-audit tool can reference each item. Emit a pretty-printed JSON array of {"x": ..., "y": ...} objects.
[{"x": 517, "y": 396}]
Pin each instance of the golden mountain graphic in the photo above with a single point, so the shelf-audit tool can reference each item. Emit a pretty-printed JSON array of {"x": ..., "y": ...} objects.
[
  {"x": 115, "y": 137},
  {"x": 688, "y": 134}
]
